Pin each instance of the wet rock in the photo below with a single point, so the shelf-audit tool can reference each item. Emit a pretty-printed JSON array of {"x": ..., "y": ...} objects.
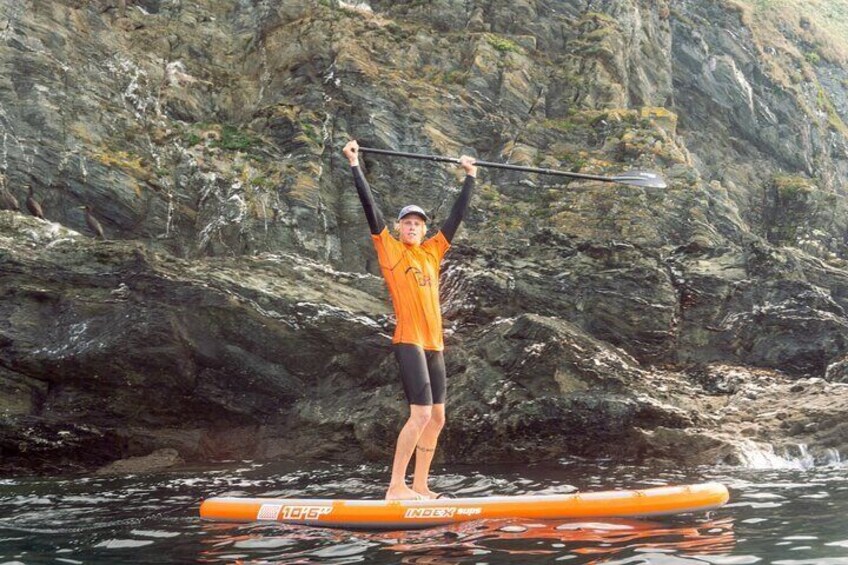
[
  {"x": 218, "y": 360},
  {"x": 616, "y": 292},
  {"x": 837, "y": 372},
  {"x": 543, "y": 388},
  {"x": 159, "y": 460},
  {"x": 767, "y": 310},
  {"x": 680, "y": 445},
  {"x": 197, "y": 346}
]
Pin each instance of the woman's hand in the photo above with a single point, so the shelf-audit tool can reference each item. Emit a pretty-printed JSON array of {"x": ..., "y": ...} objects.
[
  {"x": 351, "y": 151},
  {"x": 467, "y": 163}
]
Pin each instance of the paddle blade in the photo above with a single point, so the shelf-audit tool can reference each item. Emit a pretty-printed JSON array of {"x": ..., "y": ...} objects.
[{"x": 640, "y": 178}]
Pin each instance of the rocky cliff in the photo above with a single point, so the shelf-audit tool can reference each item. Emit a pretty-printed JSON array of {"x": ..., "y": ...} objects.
[{"x": 234, "y": 308}]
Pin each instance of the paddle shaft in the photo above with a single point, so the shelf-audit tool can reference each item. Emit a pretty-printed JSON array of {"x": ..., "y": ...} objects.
[{"x": 491, "y": 165}]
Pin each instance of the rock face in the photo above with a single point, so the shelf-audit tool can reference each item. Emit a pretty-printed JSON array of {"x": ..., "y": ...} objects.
[{"x": 235, "y": 308}]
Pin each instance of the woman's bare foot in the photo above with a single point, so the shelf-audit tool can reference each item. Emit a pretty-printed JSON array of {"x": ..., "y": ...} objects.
[
  {"x": 403, "y": 492},
  {"x": 426, "y": 493}
]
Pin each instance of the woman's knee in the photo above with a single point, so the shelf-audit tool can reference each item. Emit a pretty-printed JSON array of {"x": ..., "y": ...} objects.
[
  {"x": 420, "y": 416},
  {"x": 437, "y": 419}
]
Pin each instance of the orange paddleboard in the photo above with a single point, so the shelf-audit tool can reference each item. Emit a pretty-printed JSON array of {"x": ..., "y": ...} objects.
[{"x": 409, "y": 514}]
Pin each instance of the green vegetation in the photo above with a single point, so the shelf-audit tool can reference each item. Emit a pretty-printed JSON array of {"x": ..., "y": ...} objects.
[
  {"x": 598, "y": 34},
  {"x": 599, "y": 17},
  {"x": 684, "y": 19},
  {"x": 490, "y": 194},
  {"x": 821, "y": 23},
  {"x": 227, "y": 137},
  {"x": 833, "y": 119},
  {"x": 564, "y": 125},
  {"x": 797, "y": 212},
  {"x": 127, "y": 160},
  {"x": 597, "y": 37},
  {"x": 595, "y": 29},
  {"x": 312, "y": 133},
  {"x": 455, "y": 77},
  {"x": 574, "y": 162},
  {"x": 780, "y": 28},
  {"x": 787, "y": 206},
  {"x": 191, "y": 139},
  {"x": 502, "y": 44},
  {"x": 437, "y": 76},
  {"x": 261, "y": 182},
  {"x": 233, "y": 139}
]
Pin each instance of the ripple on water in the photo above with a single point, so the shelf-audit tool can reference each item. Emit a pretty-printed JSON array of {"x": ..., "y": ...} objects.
[
  {"x": 758, "y": 505},
  {"x": 816, "y": 495},
  {"x": 123, "y": 543},
  {"x": 342, "y": 550},
  {"x": 155, "y": 533},
  {"x": 763, "y": 496},
  {"x": 816, "y": 561},
  {"x": 264, "y": 543},
  {"x": 729, "y": 559}
]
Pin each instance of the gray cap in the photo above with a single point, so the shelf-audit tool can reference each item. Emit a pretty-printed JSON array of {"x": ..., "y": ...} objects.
[{"x": 412, "y": 209}]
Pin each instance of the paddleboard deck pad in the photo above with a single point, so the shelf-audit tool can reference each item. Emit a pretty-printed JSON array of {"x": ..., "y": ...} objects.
[{"x": 410, "y": 514}]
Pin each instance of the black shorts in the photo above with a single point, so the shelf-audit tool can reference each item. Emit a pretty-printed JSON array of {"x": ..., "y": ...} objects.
[{"x": 422, "y": 373}]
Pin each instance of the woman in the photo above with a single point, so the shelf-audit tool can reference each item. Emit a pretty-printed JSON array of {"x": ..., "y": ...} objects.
[{"x": 410, "y": 265}]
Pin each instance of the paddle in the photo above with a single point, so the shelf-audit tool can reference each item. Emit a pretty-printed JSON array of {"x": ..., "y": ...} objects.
[{"x": 633, "y": 178}]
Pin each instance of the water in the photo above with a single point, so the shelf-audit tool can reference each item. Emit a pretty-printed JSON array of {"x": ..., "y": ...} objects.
[{"x": 783, "y": 517}]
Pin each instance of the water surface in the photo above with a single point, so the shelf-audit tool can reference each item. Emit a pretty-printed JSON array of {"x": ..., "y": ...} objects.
[{"x": 785, "y": 517}]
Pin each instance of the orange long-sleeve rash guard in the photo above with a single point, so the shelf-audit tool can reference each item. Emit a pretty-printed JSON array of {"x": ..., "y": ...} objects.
[{"x": 412, "y": 275}]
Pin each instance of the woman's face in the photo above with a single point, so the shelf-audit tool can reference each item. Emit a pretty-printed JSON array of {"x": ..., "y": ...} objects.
[{"x": 411, "y": 229}]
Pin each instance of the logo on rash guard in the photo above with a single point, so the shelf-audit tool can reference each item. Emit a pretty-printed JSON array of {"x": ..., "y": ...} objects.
[{"x": 420, "y": 277}]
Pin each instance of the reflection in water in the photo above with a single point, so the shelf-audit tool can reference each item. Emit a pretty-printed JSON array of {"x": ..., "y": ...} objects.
[{"x": 494, "y": 541}]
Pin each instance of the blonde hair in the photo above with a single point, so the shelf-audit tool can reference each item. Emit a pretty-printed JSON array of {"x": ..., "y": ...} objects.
[{"x": 423, "y": 232}]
